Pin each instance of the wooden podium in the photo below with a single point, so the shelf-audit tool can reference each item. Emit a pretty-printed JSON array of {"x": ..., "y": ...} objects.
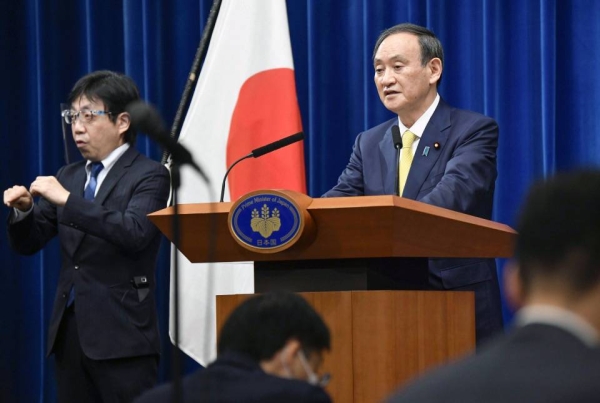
[{"x": 352, "y": 255}]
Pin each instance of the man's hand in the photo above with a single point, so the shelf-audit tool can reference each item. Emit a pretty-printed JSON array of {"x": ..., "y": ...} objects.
[
  {"x": 18, "y": 197},
  {"x": 49, "y": 188}
]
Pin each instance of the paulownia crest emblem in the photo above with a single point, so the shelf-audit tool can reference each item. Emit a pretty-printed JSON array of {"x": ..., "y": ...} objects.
[{"x": 265, "y": 225}]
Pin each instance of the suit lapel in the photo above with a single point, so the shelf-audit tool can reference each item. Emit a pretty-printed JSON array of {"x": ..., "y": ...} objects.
[
  {"x": 389, "y": 160},
  {"x": 424, "y": 162},
  {"x": 78, "y": 181},
  {"x": 114, "y": 175},
  {"x": 75, "y": 186}
]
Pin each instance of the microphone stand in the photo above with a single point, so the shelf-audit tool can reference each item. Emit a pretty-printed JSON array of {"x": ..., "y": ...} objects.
[
  {"x": 260, "y": 151},
  {"x": 176, "y": 356},
  {"x": 397, "y": 140},
  {"x": 397, "y": 190},
  {"x": 177, "y": 160},
  {"x": 227, "y": 173},
  {"x": 146, "y": 119},
  {"x": 176, "y": 182},
  {"x": 177, "y": 395}
]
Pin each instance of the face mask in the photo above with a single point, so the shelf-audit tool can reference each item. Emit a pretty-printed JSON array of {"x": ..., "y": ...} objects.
[
  {"x": 313, "y": 378},
  {"x": 286, "y": 369}
]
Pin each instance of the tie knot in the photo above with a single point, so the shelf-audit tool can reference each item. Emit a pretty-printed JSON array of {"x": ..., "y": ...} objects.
[
  {"x": 96, "y": 168},
  {"x": 408, "y": 138}
]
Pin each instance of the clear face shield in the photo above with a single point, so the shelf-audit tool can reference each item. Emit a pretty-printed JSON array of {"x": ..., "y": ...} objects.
[{"x": 70, "y": 150}]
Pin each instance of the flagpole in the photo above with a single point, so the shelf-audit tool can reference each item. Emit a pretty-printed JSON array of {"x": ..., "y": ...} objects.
[{"x": 194, "y": 73}]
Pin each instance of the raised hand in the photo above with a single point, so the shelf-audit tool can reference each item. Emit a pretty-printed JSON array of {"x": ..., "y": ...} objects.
[
  {"x": 49, "y": 188},
  {"x": 18, "y": 197}
]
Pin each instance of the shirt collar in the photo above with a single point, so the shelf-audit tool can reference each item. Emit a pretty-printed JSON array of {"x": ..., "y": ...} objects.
[
  {"x": 559, "y": 317},
  {"x": 419, "y": 127},
  {"x": 110, "y": 160}
]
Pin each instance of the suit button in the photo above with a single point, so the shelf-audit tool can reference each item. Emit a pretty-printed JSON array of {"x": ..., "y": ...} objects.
[
  {"x": 76, "y": 267},
  {"x": 64, "y": 295}
]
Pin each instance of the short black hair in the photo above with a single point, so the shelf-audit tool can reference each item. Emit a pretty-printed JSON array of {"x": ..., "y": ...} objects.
[
  {"x": 261, "y": 325},
  {"x": 431, "y": 47},
  {"x": 115, "y": 90},
  {"x": 561, "y": 217}
]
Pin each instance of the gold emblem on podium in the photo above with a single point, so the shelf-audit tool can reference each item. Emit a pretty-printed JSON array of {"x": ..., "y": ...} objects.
[{"x": 264, "y": 224}]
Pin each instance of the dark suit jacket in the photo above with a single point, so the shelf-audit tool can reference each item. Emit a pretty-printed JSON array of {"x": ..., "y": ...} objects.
[
  {"x": 534, "y": 364},
  {"x": 459, "y": 175},
  {"x": 235, "y": 378},
  {"x": 104, "y": 244}
]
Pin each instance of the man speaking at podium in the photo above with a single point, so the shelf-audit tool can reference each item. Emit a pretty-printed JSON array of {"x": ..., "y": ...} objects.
[
  {"x": 447, "y": 157},
  {"x": 104, "y": 329}
]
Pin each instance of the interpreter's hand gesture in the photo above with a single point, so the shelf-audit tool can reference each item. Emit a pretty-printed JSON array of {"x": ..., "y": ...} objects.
[
  {"x": 18, "y": 197},
  {"x": 49, "y": 188}
]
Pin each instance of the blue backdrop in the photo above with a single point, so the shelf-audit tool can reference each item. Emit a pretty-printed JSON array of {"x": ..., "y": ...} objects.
[{"x": 528, "y": 64}]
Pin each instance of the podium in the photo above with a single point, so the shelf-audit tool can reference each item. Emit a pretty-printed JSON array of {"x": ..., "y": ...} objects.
[{"x": 362, "y": 263}]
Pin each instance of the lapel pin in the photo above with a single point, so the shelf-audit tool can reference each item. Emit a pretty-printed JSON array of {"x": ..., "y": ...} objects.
[
  {"x": 436, "y": 145},
  {"x": 426, "y": 151}
]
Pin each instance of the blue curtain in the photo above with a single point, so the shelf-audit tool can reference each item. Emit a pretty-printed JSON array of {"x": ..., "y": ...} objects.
[{"x": 529, "y": 64}]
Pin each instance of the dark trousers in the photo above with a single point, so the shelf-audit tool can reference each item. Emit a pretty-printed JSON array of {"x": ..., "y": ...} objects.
[{"x": 81, "y": 379}]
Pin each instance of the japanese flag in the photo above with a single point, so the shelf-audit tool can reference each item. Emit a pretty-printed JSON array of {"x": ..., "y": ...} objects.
[{"x": 245, "y": 98}]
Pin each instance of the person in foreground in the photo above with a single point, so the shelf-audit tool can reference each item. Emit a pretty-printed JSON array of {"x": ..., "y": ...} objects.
[
  {"x": 553, "y": 352},
  {"x": 104, "y": 329},
  {"x": 448, "y": 158},
  {"x": 269, "y": 350}
]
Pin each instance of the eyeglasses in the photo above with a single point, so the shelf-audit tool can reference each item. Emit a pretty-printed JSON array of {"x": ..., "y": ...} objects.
[{"x": 84, "y": 115}]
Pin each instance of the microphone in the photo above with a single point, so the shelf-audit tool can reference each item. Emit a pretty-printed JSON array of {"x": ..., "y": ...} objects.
[
  {"x": 397, "y": 139},
  {"x": 260, "y": 151},
  {"x": 276, "y": 145},
  {"x": 145, "y": 118}
]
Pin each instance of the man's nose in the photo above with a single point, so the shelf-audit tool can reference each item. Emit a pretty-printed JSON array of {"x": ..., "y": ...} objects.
[
  {"x": 387, "y": 77},
  {"x": 77, "y": 126}
]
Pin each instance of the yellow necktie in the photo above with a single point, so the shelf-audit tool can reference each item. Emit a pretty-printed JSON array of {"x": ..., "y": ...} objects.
[{"x": 406, "y": 157}]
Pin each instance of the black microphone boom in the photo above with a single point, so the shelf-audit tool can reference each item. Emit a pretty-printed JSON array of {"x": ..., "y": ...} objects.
[
  {"x": 260, "y": 151},
  {"x": 146, "y": 119},
  {"x": 397, "y": 139},
  {"x": 276, "y": 145}
]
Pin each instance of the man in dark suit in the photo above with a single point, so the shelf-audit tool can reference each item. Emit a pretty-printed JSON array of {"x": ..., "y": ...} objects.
[
  {"x": 552, "y": 354},
  {"x": 103, "y": 329},
  {"x": 269, "y": 351},
  {"x": 448, "y": 157}
]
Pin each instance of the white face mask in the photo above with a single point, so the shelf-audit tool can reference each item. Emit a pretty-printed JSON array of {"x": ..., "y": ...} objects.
[
  {"x": 286, "y": 369},
  {"x": 313, "y": 378}
]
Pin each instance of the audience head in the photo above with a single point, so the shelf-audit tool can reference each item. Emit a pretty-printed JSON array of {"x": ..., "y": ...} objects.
[
  {"x": 281, "y": 332},
  {"x": 558, "y": 246}
]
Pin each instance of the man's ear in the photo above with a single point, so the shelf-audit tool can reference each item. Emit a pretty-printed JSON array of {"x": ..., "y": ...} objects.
[
  {"x": 123, "y": 122},
  {"x": 435, "y": 68},
  {"x": 289, "y": 350},
  {"x": 513, "y": 285},
  {"x": 281, "y": 363}
]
